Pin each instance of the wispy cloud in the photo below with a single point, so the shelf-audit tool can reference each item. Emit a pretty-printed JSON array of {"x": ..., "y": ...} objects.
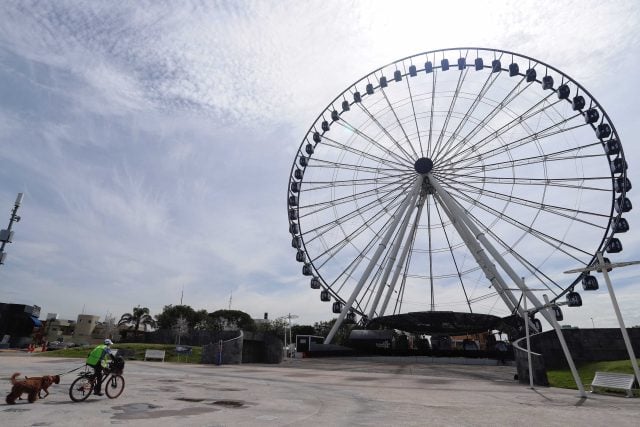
[{"x": 153, "y": 141}]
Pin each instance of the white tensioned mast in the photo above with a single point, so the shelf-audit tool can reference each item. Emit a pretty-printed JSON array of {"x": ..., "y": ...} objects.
[
  {"x": 411, "y": 197},
  {"x": 467, "y": 232},
  {"x": 478, "y": 253},
  {"x": 455, "y": 211},
  {"x": 394, "y": 253}
]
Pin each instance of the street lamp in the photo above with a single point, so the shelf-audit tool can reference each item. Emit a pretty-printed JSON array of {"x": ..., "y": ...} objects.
[
  {"x": 603, "y": 268},
  {"x": 289, "y": 317}
]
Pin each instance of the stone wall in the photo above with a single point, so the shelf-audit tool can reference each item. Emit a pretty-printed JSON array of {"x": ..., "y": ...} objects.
[
  {"x": 522, "y": 364},
  {"x": 585, "y": 345},
  {"x": 262, "y": 348},
  {"x": 248, "y": 348}
]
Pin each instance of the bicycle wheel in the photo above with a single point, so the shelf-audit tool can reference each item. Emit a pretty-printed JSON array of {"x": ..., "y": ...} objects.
[
  {"x": 115, "y": 386},
  {"x": 81, "y": 389}
]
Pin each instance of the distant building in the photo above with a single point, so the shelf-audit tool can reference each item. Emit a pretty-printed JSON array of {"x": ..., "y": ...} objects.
[
  {"x": 85, "y": 327},
  {"x": 19, "y": 322},
  {"x": 59, "y": 329}
]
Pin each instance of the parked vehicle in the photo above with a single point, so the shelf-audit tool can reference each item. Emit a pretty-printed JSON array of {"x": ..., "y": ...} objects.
[{"x": 59, "y": 345}]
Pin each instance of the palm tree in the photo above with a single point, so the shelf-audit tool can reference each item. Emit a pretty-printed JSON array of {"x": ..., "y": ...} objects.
[{"x": 140, "y": 316}]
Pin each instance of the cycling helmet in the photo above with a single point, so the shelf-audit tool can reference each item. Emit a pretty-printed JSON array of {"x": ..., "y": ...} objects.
[{"x": 108, "y": 342}]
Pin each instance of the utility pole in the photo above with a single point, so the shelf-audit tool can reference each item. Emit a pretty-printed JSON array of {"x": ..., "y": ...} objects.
[{"x": 6, "y": 236}]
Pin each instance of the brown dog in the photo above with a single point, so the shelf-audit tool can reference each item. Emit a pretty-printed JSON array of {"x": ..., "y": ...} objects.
[
  {"x": 45, "y": 382},
  {"x": 31, "y": 386}
]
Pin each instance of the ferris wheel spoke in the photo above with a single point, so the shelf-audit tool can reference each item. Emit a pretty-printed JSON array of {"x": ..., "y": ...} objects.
[
  {"x": 491, "y": 79},
  {"x": 407, "y": 156},
  {"x": 321, "y": 163},
  {"x": 314, "y": 208},
  {"x": 358, "y": 231},
  {"x": 562, "y": 211},
  {"x": 517, "y": 255},
  {"x": 413, "y": 109},
  {"x": 465, "y": 144},
  {"x": 367, "y": 182},
  {"x": 535, "y": 182},
  {"x": 552, "y": 241},
  {"x": 534, "y": 137},
  {"x": 473, "y": 147},
  {"x": 322, "y": 206},
  {"x": 367, "y": 156},
  {"x": 438, "y": 144},
  {"x": 400, "y": 161},
  {"x": 511, "y": 164},
  {"x": 433, "y": 100},
  {"x": 382, "y": 204},
  {"x": 453, "y": 257},
  {"x": 525, "y": 161},
  {"x": 395, "y": 115}
]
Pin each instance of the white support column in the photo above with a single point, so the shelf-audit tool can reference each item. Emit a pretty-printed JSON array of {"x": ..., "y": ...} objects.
[
  {"x": 526, "y": 331},
  {"x": 383, "y": 244},
  {"x": 403, "y": 257},
  {"x": 616, "y": 308},
  {"x": 507, "y": 268},
  {"x": 392, "y": 257},
  {"x": 565, "y": 348},
  {"x": 490, "y": 248},
  {"x": 476, "y": 250}
]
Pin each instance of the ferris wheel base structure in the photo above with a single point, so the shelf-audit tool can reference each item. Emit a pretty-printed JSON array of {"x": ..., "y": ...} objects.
[{"x": 445, "y": 323}]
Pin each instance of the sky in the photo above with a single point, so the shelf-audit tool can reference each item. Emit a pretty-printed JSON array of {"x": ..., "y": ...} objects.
[{"x": 153, "y": 141}]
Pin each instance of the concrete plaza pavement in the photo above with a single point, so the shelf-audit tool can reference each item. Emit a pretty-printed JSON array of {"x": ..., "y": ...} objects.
[{"x": 322, "y": 392}]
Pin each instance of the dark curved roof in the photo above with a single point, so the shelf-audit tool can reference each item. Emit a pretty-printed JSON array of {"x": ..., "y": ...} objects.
[{"x": 438, "y": 322}]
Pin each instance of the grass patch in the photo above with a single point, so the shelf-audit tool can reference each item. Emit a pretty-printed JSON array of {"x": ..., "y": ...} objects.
[
  {"x": 136, "y": 349},
  {"x": 564, "y": 379}
]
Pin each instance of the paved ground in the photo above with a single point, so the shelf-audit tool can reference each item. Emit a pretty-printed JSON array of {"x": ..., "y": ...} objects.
[{"x": 323, "y": 392}]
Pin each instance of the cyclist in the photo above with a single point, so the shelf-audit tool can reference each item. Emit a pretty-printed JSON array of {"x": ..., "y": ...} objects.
[{"x": 97, "y": 360}]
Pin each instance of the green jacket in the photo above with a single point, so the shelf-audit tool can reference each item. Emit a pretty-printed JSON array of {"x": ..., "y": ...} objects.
[{"x": 97, "y": 355}]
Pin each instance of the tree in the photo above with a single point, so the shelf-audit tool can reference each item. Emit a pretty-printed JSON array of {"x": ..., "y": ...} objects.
[
  {"x": 171, "y": 313},
  {"x": 276, "y": 326},
  {"x": 181, "y": 328},
  {"x": 109, "y": 326},
  {"x": 342, "y": 335},
  {"x": 302, "y": 330},
  {"x": 230, "y": 320},
  {"x": 139, "y": 316}
]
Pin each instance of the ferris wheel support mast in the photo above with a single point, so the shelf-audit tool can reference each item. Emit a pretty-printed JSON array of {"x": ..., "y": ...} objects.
[
  {"x": 393, "y": 255},
  {"x": 460, "y": 213},
  {"x": 365, "y": 275},
  {"x": 456, "y": 210},
  {"x": 478, "y": 253},
  {"x": 403, "y": 257}
]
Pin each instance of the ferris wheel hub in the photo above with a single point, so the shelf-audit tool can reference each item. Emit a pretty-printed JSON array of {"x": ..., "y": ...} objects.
[{"x": 423, "y": 165}]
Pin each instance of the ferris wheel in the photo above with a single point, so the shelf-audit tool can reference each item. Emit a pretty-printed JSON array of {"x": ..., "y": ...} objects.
[{"x": 445, "y": 180}]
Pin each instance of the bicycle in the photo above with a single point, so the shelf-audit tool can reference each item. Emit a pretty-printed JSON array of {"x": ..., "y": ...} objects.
[{"x": 83, "y": 386}]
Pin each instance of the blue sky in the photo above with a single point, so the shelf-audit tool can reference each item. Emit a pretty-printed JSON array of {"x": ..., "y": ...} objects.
[{"x": 153, "y": 141}]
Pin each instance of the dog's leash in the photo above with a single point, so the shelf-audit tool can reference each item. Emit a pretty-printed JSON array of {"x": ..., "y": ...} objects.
[{"x": 73, "y": 370}]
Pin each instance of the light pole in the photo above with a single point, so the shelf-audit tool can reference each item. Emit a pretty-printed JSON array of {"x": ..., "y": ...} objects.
[
  {"x": 7, "y": 235},
  {"x": 552, "y": 320},
  {"x": 602, "y": 267},
  {"x": 289, "y": 317},
  {"x": 593, "y": 325}
]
